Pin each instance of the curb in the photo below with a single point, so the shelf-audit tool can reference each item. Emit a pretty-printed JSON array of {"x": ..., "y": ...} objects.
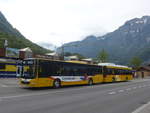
[{"x": 143, "y": 109}]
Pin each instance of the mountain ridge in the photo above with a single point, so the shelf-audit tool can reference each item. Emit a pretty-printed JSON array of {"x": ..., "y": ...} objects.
[{"x": 129, "y": 40}]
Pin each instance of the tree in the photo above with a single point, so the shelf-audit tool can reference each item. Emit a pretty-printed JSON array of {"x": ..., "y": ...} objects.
[
  {"x": 102, "y": 56},
  {"x": 136, "y": 62}
]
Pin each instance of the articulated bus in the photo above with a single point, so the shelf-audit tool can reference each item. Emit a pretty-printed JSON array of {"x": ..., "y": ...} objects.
[
  {"x": 36, "y": 72},
  {"x": 116, "y": 73},
  {"x": 8, "y": 67},
  {"x": 43, "y": 73}
]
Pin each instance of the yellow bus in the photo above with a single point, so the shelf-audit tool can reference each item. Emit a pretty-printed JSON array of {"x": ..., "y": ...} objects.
[
  {"x": 36, "y": 72},
  {"x": 116, "y": 73},
  {"x": 8, "y": 67}
]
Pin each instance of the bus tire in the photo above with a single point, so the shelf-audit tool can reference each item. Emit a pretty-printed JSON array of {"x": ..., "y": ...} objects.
[
  {"x": 57, "y": 83},
  {"x": 90, "y": 82}
]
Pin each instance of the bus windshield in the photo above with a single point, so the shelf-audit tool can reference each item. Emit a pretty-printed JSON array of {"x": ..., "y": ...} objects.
[{"x": 29, "y": 69}]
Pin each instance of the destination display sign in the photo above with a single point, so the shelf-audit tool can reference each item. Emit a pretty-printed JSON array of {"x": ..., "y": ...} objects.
[{"x": 28, "y": 62}]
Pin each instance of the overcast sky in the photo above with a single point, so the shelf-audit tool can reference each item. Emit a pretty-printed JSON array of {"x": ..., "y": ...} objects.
[{"x": 61, "y": 21}]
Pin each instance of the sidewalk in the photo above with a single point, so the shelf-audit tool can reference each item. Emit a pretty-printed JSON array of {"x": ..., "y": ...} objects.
[{"x": 144, "y": 109}]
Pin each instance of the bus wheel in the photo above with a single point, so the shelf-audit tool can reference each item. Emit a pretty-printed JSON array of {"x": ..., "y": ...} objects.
[
  {"x": 56, "y": 83},
  {"x": 90, "y": 82}
]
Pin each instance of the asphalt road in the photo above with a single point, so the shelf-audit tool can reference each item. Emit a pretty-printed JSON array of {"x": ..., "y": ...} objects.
[{"x": 124, "y": 97}]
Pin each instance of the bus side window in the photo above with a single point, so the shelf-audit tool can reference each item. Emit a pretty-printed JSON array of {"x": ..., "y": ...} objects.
[
  {"x": 113, "y": 71},
  {"x": 116, "y": 71},
  {"x": 65, "y": 71},
  {"x": 89, "y": 71},
  {"x": 109, "y": 71}
]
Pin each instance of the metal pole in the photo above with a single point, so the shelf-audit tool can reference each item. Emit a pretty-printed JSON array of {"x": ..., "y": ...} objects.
[{"x": 62, "y": 52}]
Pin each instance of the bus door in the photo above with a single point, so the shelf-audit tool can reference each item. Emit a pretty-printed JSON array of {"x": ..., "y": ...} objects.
[
  {"x": 20, "y": 71},
  {"x": 105, "y": 71}
]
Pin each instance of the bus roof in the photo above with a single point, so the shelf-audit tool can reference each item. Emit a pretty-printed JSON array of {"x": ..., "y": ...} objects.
[
  {"x": 112, "y": 65},
  {"x": 72, "y": 62},
  {"x": 76, "y": 61}
]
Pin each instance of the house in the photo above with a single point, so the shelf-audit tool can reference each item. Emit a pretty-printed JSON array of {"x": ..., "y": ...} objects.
[
  {"x": 143, "y": 72},
  {"x": 88, "y": 60},
  {"x": 25, "y": 53},
  {"x": 71, "y": 58}
]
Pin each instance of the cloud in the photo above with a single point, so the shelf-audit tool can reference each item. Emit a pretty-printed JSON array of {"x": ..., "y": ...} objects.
[{"x": 61, "y": 21}]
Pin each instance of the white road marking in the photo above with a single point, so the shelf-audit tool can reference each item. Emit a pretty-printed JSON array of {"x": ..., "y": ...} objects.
[
  {"x": 134, "y": 87},
  {"x": 140, "y": 86},
  {"x": 121, "y": 91},
  {"x": 54, "y": 92},
  {"x": 128, "y": 89},
  {"x": 112, "y": 93},
  {"x": 26, "y": 95},
  {"x": 143, "y": 85},
  {"x": 43, "y": 93},
  {"x": 4, "y": 85}
]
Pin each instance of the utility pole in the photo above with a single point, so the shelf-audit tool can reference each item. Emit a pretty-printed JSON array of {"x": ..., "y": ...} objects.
[
  {"x": 62, "y": 52},
  {"x": 63, "y": 49},
  {"x": 5, "y": 43}
]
